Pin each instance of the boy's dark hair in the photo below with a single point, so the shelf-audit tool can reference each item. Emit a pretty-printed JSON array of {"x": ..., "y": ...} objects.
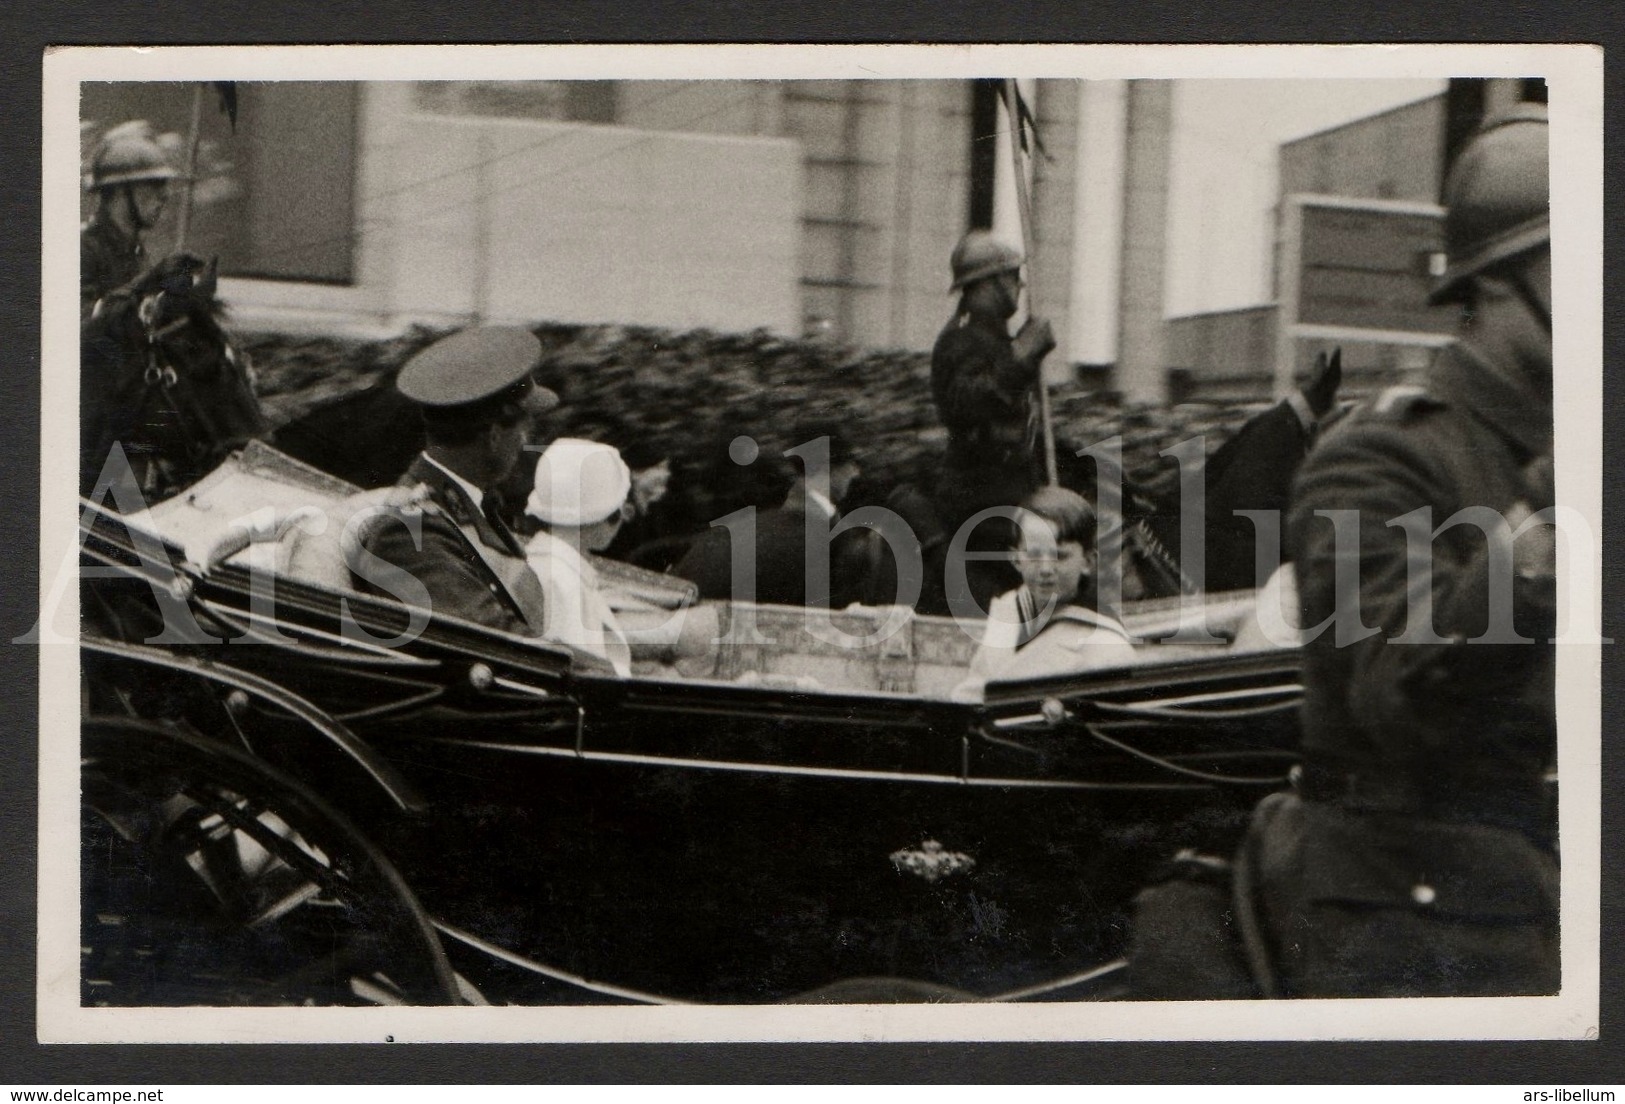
[{"x": 1068, "y": 511}]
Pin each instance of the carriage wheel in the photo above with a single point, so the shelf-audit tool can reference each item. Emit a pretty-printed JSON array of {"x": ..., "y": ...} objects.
[{"x": 210, "y": 878}]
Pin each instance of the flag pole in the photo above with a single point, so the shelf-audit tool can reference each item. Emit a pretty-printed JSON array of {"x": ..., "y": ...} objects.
[
  {"x": 1012, "y": 98},
  {"x": 183, "y": 218}
]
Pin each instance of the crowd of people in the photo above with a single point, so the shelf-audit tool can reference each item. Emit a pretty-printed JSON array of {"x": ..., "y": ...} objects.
[{"x": 1417, "y": 855}]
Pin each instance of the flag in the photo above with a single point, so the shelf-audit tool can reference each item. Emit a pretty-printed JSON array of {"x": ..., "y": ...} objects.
[
  {"x": 1022, "y": 114},
  {"x": 228, "y": 100}
]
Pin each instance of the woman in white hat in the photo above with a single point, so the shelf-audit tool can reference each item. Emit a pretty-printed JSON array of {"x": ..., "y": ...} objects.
[{"x": 580, "y": 498}]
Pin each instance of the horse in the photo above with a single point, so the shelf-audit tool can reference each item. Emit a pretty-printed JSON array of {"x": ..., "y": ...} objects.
[
  {"x": 369, "y": 437},
  {"x": 1252, "y": 471},
  {"x": 1250, "y": 474},
  {"x": 161, "y": 379}
]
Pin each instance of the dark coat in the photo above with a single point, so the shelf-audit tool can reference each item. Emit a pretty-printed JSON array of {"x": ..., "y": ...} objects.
[
  {"x": 984, "y": 398},
  {"x": 491, "y": 585},
  {"x": 780, "y": 564},
  {"x": 1427, "y": 825},
  {"x": 983, "y": 393},
  {"x": 108, "y": 260}
]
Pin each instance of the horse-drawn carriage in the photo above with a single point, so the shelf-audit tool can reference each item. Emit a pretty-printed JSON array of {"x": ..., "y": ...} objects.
[
  {"x": 297, "y": 793},
  {"x": 799, "y": 803}
]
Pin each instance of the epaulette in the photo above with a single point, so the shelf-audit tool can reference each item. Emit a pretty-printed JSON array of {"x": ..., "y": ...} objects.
[
  {"x": 453, "y": 506},
  {"x": 1403, "y": 401}
]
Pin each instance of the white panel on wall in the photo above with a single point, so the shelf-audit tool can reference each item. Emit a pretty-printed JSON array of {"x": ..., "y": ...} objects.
[
  {"x": 576, "y": 223},
  {"x": 433, "y": 222}
]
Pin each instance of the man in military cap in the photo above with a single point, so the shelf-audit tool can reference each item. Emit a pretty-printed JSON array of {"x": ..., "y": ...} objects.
[
  {"x": 1419, "y": 855},
  {"x": 478, "y": 398},
  {"x": 130, "y": 175},
  {"x": 982, "y": 381}
]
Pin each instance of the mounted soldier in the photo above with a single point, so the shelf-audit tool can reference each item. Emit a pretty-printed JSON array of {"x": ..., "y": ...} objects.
[
  {"x": 130, "y": 175},
  {"x": 983, "y": 381},
  {"x": 1419, "y": 857}
]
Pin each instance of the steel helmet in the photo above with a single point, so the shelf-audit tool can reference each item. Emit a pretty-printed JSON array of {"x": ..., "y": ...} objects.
[
  {"x": 129, "y": 154},
  {"x": 578, "y": 482},
  {"x": 1497, "y": 198},
  {"x": 980, "y": 254}
]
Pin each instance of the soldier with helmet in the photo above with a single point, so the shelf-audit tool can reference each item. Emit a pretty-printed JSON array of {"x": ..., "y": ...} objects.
[
  {"x": 1418, "y": 856},
  {"x": 982, "y": 381},
  {"x": 129, "y": 175}
]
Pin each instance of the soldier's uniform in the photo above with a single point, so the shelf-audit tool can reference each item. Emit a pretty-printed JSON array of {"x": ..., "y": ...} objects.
[
  {"x": 467, "y": 559},
  {"x": 108, "y": 260},
  {"x": 128, "y": 157},
  {"x": 983, "y": 392},
  {"x": 1421, "y": 858},
  {"x": 471, "y": 567},
  {"x": 1419, "y": 855}
]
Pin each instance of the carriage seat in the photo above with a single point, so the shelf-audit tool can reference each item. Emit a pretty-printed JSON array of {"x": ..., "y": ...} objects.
[
  {"x": 312, "y": 543},
  {"x": 1274, "y": 620},
  {"x": 317, "y": 544},
  {"x": 322, "y": 554}
]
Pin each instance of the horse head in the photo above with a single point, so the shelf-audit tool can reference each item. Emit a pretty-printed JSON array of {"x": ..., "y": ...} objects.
[
  {"x": 161, "y": 377},
  {"x": 177, "y": 290}
]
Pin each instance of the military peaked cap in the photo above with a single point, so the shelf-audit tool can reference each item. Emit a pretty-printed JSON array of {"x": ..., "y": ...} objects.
[{"x": 474, "y": 364}]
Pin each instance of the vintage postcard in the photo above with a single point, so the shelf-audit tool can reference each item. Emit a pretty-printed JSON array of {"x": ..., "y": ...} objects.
[{"x": 821, "y": 543}]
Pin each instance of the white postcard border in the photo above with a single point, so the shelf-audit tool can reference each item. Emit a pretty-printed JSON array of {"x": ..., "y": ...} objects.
[{"x": 1574, "y": 77}]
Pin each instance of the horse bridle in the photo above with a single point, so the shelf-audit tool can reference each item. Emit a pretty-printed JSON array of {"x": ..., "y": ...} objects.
[{"x": 160, "y": 374}]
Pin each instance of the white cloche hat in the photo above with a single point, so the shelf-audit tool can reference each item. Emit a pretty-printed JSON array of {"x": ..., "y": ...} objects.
[{"x": 578, "y": 482}]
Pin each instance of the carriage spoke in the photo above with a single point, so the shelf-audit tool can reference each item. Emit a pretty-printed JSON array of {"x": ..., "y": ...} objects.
[
  {"x": 277, "y": 841},
  {"x": 232, "y": 884}
]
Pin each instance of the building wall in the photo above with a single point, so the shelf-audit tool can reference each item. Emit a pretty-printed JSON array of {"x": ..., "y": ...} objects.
[
  {"x": 363, "y": 303},
  {"x": 1396, "y": 154},
  {"x": 518, "y": 220},
  {"x": 741, "y": 108},
  {"x": 273, "y": 194},
  {"x": 1142, "y": 368},
  {"x": 1098, "y": 222},
  {"x": 887, "y": 192},
  {"x": 1223, "y": 344},
  {"x": 1392, "y": 155},
  {"x": 885, "y": 196},
  {"x": 1055, "y": 173},
  {"x": 495, "y": 214},
  {"x": 928, "y": 209},
  {"x": 825, "y": 207}
]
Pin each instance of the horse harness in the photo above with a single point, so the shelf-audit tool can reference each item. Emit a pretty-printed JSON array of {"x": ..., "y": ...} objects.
[
  {"x": 1157, "y": 555},
  {"x": 160, "y": 377}
]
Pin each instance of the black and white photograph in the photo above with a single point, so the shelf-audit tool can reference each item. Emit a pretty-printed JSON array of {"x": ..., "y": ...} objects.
[{"x": 821, "y": 543}]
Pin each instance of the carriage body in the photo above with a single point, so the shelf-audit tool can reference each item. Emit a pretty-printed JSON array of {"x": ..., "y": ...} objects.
[{"x": 790, "y": 813}]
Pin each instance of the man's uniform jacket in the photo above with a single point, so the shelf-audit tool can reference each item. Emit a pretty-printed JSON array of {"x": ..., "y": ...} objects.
[
  {"x": 107, "y": 261},
  {"x": 1422, "y": 858},
  {"x": 471, "y": 568}
]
